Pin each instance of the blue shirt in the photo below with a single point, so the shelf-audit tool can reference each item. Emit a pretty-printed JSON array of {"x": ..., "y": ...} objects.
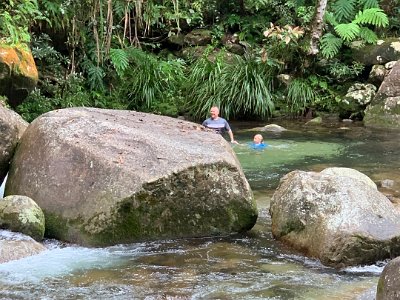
[
  {"x": 220, "y": 125},
  {"x": 254, "y": 146}
]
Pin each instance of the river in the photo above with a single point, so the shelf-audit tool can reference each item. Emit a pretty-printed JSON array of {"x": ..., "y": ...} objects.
[{"x": 246, "y": 266}]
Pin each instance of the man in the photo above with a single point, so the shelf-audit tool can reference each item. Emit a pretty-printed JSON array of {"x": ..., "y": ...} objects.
[{"x": 220, "y": 125}]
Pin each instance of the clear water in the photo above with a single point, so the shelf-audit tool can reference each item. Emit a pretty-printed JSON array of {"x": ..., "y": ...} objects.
[{"x": 248, "y": 266}]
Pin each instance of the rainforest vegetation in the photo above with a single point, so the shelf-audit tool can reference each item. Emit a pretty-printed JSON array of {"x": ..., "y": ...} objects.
[{"x": 120, "y": 54}]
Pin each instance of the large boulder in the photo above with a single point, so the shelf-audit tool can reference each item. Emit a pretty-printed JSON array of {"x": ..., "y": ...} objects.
[
  {"x": 384, "y": 109},
  {"x": 380, "y": 53},
  {"x": 348, "y": 172},
  {"x": 339, "y": 219},
  {"x": 12, "y": 127},
  {"x": 22, "y": 214},
  {"x": 104, "y": 177},
  {"x": 358, "y": 96},
  {"x": 198, "y": 37},
  {"x": 18, "y": 73},
  {"x": 15, "y": 246},
  {"x": 389, "y": 281}
]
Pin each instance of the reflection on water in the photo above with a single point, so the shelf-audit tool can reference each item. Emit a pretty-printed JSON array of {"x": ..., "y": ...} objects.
[{"x": 248, "y": 266}]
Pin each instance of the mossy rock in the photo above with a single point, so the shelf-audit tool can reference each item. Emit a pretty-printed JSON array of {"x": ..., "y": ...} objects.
[{"x": 22, "y": 214}]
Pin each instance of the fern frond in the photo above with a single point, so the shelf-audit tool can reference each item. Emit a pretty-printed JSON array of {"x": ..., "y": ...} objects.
[
  {"x": 119, "y": 8},
  {"x": 330, "y": 19},
  {"x": 344, "y": 9},
  {"x": 348, "y": 32},
  {"x": 95, "y": 77},
  {"x": 373, "y": 16},
  {"x": 120, "y": 60},
  {"x": 368, "y": 3},
  {"x": 330, "y": 45},
  {"x": 368, "y": 35}
]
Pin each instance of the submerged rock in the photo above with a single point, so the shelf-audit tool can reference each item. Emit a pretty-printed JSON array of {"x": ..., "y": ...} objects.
[
  {"x": 104, "y": 177},
  {"x": 15, "y": 246}
]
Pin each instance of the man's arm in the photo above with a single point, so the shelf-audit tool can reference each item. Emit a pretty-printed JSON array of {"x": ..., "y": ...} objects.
[{"x": 231, "y": 136}]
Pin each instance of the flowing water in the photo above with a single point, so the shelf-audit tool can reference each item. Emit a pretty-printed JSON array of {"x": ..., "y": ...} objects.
[{"x": 246, "y": 266}]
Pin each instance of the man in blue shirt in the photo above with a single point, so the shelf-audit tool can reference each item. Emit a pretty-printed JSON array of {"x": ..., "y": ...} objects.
[{"x": 220, "y": 125}]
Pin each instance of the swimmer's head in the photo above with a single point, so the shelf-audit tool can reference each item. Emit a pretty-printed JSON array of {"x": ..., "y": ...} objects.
[{"x": 258, "y": 139}]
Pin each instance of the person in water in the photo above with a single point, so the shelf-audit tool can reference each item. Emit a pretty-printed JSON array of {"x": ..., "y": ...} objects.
[
  {"x": 218, "y": 124},
  {"x": 258, "y": 142}
]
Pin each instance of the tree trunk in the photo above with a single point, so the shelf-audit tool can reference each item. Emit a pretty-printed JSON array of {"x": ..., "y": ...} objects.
[{"x": 317, "y": 26}]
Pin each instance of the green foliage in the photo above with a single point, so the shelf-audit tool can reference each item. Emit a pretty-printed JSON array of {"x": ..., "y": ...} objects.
[
  {"x": 49, "y": 61},
  {"x": 357, "y": 26},
  {"x": 305, "y": 14},
  {"x": 344, "y": 72},
  {"x": 347, "y": 32},
  {"x": 370, "y": 3},
  {"x": 326, "y": 96},
  {"x": 330, "y": 45},
  {"x": 16, "y": 16},
  {"x": 241, "y": 87},
  {"x": 247, "y": 27},
  {"x": 149, "y": 83},
  {"x": 255, "y": 5},
  {"x": 300, "y": 95},
  {"x": 368, "y": 35},
  {"x": 95, "y": 74},
  {"x": 71, "y": 93},
  {"x": 344, "y": 9},
  {"x": 120, "y": 60},
  {"x": 115, "y": 72}
]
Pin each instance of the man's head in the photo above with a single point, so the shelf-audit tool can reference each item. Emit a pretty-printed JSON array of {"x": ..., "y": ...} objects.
[{"x": 214, "y": 112}]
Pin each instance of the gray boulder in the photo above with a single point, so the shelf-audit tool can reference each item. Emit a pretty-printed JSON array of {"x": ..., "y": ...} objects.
[
  {"x": 377, "y": 75},
  {"x": 341, "y": 220},
  {"x": 384, "y": 109},
  {"x": 273, "y": 128},
  {"x": 22, "y": 214},
  {"x": 104, "y": 177},
  {"x": 358, "y": 96},
  {"x": 15, "y": 246},
  {"x": 198, "y": 37},
  {"x": 380, "y": 53},
  {"x": 348, "y": 172},
  {"x": 389, "y": 281},
  {"x": 12, "y": 127}
]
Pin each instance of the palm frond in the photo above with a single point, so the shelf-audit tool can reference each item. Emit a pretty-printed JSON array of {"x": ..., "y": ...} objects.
[{"x": 120, "y": 60}]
